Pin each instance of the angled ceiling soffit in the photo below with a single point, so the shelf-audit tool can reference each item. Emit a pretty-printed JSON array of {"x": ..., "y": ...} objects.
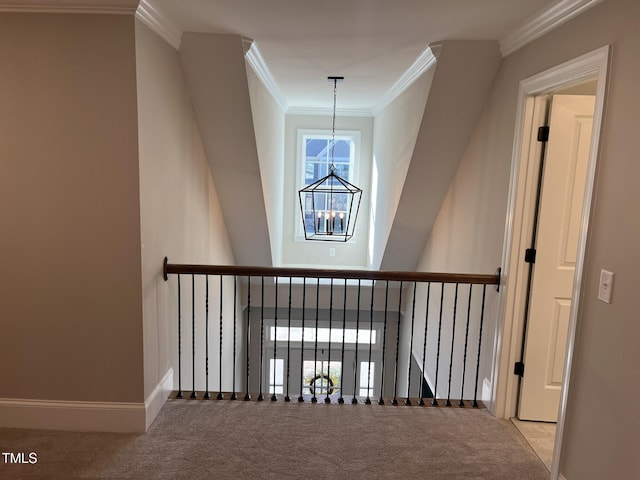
[
  {"x": 462, "y": 79},
  {"x": 215, "y": 72}
]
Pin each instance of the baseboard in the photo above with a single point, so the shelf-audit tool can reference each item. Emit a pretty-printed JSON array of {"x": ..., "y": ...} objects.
[
  {"x": 119, "y": 417},
  {"x": 156, "y": 399}
]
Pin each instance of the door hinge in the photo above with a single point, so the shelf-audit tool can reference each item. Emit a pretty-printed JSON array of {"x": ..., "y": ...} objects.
[
  {"x": 530, "y": 255},
  {"x": 518, "y": 369},
  {"x": 543, "y": 134}
]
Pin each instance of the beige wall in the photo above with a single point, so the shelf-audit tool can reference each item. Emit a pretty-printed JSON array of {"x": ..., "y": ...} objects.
[
  {"x": 71, "y": 316},
  {"x": 463, "y": 76},
  {"x": 602, "y": 423},
  {"x": 180, "y": 211}
]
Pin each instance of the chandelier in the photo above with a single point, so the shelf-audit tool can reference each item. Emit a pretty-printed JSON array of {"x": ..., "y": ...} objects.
[{"x": 331, "y": 204}]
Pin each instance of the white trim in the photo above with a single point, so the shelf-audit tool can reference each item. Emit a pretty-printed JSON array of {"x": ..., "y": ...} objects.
[
  {"x": 592, "y": 65},
  {"x": 72, "y": 415},
  {"x": 340, "y": 112},
  {"x": 156, "y": 399},
  {"x": 94, "y": 7},
  {"x": 149, "y": 14},
  {"x": 259, "y": 66},
  {"x": 596, "y": 63},
  {"x": 545, "y": 20},
  {"x": 530, "y": 114},
  {"x": 247, "y": 43},
  {"x": 119, "y": 417},
  {"x": 424, "y": 62}
]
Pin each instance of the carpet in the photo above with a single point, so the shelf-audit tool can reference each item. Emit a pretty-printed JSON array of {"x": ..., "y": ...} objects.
[{"x": 211, "y": 439}]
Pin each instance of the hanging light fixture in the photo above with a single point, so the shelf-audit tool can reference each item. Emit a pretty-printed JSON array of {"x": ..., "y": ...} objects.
[{"x": 330, "y": 205}]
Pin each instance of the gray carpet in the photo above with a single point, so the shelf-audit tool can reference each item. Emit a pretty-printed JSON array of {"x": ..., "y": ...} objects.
[{"x": 198, "y": 439}]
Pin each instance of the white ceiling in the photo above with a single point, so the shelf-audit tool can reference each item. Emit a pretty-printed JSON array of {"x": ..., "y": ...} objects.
[{"x": 370, "y": 42}]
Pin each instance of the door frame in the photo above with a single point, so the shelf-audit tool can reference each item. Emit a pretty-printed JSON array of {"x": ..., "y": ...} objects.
[{"x": 508, "y": 341}]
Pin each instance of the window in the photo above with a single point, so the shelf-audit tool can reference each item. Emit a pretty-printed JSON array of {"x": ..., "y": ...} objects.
[
  {"x": 276, "y": 375},
  {"x": 363, "y": 336},
  {"x": 366, "y": 379},
  {"x": 314, "y": 160}
]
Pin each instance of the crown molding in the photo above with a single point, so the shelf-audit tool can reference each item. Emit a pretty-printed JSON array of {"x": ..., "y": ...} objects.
[
  {"x": 340, "y": 112},
  {"x": 259, "y": 66},
  {"x": 149, "y": 14},
  {"x": 247, "y": 43},
  {"x": 545, "y": 20},
  {"x": 424, "y": 62},
  {"x": 121, "y": 7}
]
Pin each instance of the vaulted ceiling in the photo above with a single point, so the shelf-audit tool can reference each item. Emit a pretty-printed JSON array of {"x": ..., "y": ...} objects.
[{"x": 381, "y": 47}]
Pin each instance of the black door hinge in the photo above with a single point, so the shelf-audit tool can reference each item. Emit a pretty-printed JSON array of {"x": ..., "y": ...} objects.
[
  {"x": 543, "y": 134},
  {"x": 530, "y": 255},
  {"x": 518, "y": 369}
]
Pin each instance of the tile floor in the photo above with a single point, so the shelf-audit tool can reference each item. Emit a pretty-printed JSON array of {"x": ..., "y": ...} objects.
[{"x": 541, "y": 437}]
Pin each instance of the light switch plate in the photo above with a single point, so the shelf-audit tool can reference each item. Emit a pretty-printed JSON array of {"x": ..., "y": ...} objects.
[{"x": 606, "y": 286}]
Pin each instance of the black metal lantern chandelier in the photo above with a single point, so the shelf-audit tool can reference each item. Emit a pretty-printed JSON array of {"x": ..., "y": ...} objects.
[{"x": 330, "y": 205}]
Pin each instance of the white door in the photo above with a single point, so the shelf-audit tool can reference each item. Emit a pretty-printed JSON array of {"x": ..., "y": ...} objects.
[{"x": 565, "y": 169}]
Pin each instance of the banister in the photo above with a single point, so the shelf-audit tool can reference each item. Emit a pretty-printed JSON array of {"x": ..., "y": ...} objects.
[
  {"x": 447, "y": 315},
  {"x": 463, "y": 278}
]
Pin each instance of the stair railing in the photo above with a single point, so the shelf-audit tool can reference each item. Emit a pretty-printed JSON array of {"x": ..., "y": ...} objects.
[{"x": 322, "y": 340}]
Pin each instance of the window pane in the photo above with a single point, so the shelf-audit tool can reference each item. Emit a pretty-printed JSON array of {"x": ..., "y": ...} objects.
[
  {"x": 366, "y": 379},
  {"x": 321, "y": 376},
  {"x": 342, "y": 149},
  {"x": 276, "y": 375},
  {"x": 364, "y": 336},
  {"x": 316, "y": 147},
  {"x": 318, "y": 157}
]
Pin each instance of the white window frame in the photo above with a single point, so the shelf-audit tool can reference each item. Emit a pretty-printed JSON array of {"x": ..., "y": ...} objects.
[
  {"x": 276, "y": 376},
  {"x": 354, "y": 166},
  {"x": 366, "y": 378},
  {"x": 365, "y": 336}
]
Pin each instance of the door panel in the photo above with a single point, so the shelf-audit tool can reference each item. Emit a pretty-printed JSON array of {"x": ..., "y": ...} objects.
[
  {"x": 561, "y": 201},
  {"x": 558, "y": 342}
]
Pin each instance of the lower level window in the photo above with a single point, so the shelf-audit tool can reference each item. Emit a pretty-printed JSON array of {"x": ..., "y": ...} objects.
[
  {"x": 366, "y": 379},
  {"x": 276, "y": 375}
]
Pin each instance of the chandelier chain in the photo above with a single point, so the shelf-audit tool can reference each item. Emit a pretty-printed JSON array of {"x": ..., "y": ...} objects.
[{"x": 333, "y": 128}]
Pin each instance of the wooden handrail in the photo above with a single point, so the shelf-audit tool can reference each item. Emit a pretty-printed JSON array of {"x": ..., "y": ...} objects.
[{"x": 185, "y": 269}]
